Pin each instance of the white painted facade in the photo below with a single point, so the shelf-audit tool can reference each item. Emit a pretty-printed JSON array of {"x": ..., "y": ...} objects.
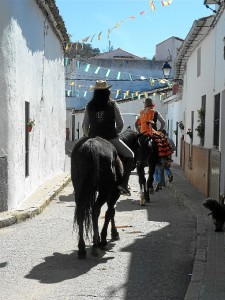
[
  {"x": 32, "y": 70},
  {"x": 210, "y": 82},
  {"x": 167, "y": 50}
]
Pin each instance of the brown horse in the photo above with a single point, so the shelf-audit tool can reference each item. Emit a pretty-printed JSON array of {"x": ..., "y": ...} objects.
[{"x": 96, "y": 171}]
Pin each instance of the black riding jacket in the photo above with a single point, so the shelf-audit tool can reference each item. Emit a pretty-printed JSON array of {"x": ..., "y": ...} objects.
[{"x": 102, "y": 123}]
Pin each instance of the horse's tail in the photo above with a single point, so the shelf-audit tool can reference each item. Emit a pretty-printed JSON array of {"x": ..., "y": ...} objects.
[{"x": 87, "y": 171}]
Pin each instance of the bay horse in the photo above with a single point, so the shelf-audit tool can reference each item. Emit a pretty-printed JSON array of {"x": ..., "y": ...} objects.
[{"x": 96, "y": 170}]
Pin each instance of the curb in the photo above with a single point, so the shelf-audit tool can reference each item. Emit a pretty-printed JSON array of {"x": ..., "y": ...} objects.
[
  {"x": 199, "y": 266},
  {"x": 17, "y": 216}
]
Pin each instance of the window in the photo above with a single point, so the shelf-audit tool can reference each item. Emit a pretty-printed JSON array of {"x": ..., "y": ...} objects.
[
  {"x": 27, "y": 116},
  {"x": 198, "y": 62},
  {"x": 216, "y": 127}
]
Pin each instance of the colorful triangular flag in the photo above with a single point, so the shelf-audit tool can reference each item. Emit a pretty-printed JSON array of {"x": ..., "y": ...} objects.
[
  {"x": 85, "y": 39},
  {"x": 166, "y": 3},
  {"x": 152, "y": 5},
  {"x": 92, "y": 38},
  {"x": 99, "y": 35}
]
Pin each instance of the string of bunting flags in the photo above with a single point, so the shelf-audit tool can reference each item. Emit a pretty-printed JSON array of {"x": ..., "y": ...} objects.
[
  {"x": 127, "y": 94},
  {"x": 90, "y": 38},
  {"x": 108, "y": 74}
]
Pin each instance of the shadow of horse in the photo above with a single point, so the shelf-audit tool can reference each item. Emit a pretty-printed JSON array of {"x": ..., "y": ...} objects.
[
  {"x": 96, "y": 171},
  {"x": 59, "y": 267}
]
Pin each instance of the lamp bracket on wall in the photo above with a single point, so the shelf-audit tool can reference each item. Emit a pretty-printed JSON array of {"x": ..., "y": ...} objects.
[{"x": 213, "y": 10}]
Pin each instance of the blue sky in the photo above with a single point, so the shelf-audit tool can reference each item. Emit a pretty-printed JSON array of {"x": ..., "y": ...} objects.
[{"x": 138, "y": 36}]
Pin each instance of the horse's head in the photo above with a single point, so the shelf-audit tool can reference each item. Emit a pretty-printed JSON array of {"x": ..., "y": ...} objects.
[{"x": 131, "y": 139}]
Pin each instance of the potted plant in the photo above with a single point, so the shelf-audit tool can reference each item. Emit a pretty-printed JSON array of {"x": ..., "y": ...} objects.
[
  {"x": 181, "y": 125},
  {"x": 30, "y": 125},
  {"x": 201, "y": 125},
  {"x": 190, "y": 133}
]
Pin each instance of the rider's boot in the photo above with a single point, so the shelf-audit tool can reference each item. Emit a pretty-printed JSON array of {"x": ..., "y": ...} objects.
[{"x": 128, "y": 167}]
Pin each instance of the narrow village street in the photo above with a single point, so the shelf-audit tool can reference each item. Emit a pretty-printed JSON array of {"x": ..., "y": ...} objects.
[
  {"x": 152, "y": 260},
  {"x": 156, "y": 68}
]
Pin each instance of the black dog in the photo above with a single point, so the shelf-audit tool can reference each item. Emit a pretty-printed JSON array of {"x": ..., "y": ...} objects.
[{"x": 217, "y": 212}]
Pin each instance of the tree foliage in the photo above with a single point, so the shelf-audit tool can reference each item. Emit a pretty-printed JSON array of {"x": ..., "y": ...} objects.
[
  {"x": 201, "y": 125},
  {"x": 76, "y": 50}
]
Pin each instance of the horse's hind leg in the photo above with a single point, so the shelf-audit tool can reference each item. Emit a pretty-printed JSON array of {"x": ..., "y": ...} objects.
[
  {"x": 142, "y": 183},
  {"x": 114, "y": 233},
  {"x": 110, "y": 213},
  {"x": 95, "y": 216},
  {"x": 109, "y": 216},
  {"x": 81, "y": 244},
  {"x": 150, "y": 179}
]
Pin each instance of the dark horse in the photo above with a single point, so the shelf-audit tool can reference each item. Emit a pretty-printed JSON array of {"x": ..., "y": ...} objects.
[
  {"x": 96, "y": 170},
  {"x": 155, "y": 150},
  {"x": 149, "y": 159}
]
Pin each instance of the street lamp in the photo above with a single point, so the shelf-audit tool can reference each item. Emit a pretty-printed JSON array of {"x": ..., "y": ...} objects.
[{"x": 166, "y": 69}]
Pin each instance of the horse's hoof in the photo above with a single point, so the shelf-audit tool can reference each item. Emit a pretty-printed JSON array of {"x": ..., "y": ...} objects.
[
  {"x": 142, "y": 200},
  {"x": 151, "y": 191},
  {"x": 115, "y": 237},
  {"x": 102, "y": 245},
  {"x": 147, "y": 200},
  {"x": 82, "y": 254},
  {"x": 94, "y": 251}
]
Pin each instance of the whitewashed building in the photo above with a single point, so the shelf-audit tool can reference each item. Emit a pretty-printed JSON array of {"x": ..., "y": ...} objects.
[
  {"x": 32, "y": 85},
  {"x": 200, "y": 66}
]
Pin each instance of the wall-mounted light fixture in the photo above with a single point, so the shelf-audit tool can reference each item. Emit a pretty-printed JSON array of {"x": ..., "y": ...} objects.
[{"x": 166, "y": 69}]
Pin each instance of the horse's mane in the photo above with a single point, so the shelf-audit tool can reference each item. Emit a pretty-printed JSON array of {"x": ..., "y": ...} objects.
[{"x": 129, "y": 137}]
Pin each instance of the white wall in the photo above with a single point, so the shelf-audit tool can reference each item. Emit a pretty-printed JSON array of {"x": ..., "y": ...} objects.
[
  {"x": 33, "y": 71},
  {"x": 175, "y": 114},
  {"x": 210, "y": 83},
  {"x": 219, "y": 87},
  {"x": 167, "y": 50}
]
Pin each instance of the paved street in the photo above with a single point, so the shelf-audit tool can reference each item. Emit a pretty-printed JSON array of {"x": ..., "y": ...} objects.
[{"x": 152, "y": 260}]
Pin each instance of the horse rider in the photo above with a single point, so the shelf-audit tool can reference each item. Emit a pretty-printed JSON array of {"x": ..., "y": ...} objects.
[
  {"x": 147, "y": 124},
  {"x": 147, "y": 121},
  {"x": 103, "y": 118}
]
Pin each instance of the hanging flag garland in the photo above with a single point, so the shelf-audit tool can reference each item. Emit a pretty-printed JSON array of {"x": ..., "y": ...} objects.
[
  {"x": 120, "y": 76},
  {"x": 152, "y": 7}
]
